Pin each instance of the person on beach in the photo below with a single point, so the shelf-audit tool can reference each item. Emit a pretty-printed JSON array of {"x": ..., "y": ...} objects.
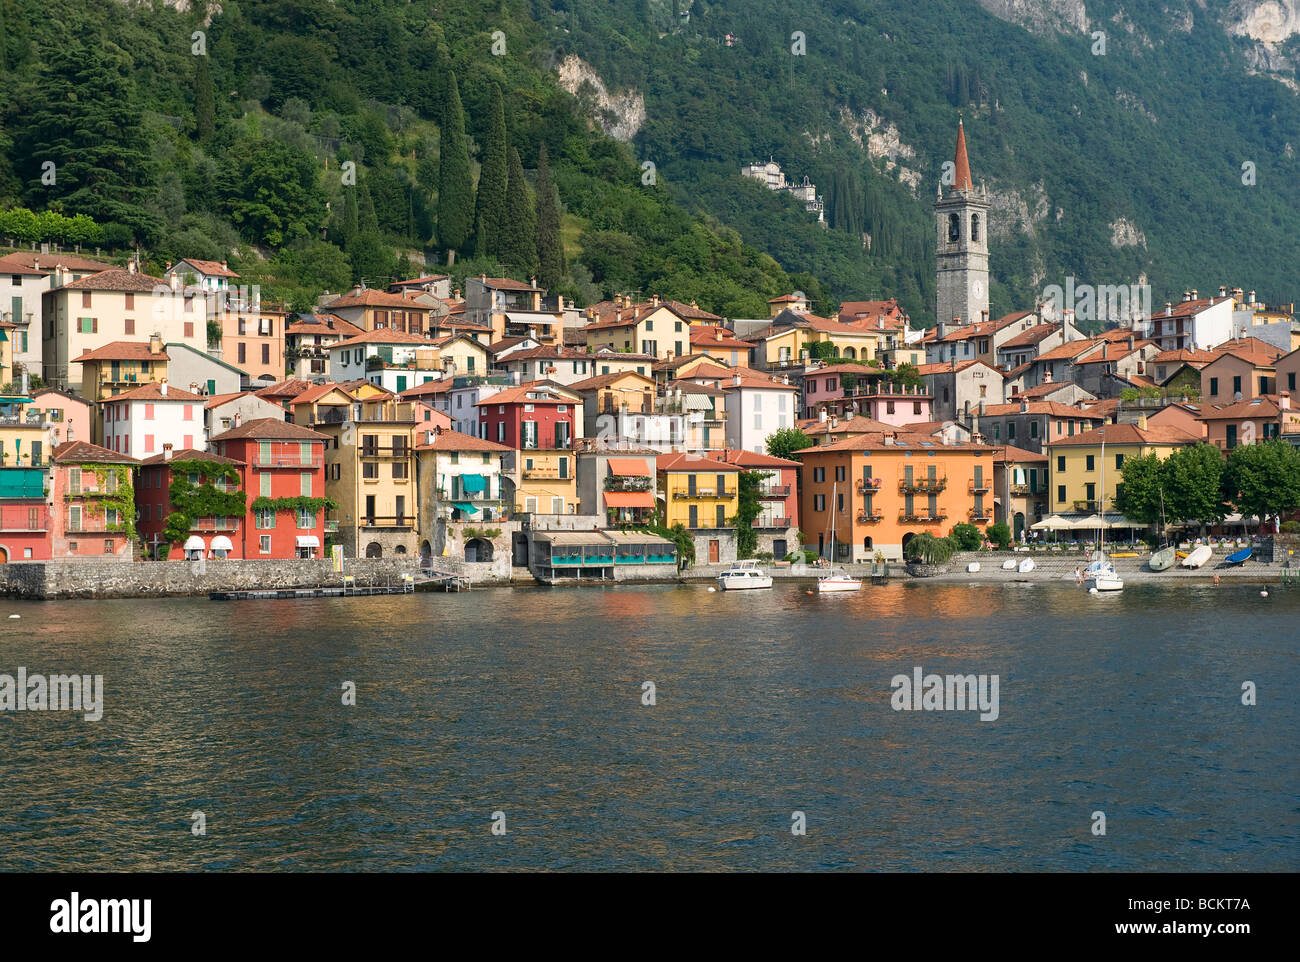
[
  {"x": 1216, "y": 581},
  {"x": 1078, "y": 575}
]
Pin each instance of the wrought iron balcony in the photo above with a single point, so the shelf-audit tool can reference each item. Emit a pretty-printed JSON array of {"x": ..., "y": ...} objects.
[
  {"x": 980, "y": 487},
  {"x": 923, "y": 484},
  {"x": 870, "y": 517},
  {"x": 869, "y": 484},
  {"x": 980, "y": 514},
  {"x": 905, "y": 518}
]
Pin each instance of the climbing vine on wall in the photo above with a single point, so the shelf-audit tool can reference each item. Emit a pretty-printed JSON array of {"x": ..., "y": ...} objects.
[
  {"x": 311, "y": 505},
  {"x": 122, "y": 498},
  {"x": 190, "y": 501}
]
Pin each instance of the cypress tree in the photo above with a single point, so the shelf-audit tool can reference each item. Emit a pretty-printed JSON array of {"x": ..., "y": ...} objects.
[
  {"x": 455, "y": 188},
  {"x": 490, "y": 209},
  {"x": 367, "y": 219},
  {"x": 205, "y": 105},
  {"x": 518, "y": 236},
  {"x": 550, "y": 244}
]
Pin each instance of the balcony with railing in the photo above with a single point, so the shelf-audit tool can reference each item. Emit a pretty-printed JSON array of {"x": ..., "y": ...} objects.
[
  {"x": 774, "y": 492},
  {"x": 682, "y": 494},
  {"x": 385, "y": 451},
  {"x": 922, "y": 484},
  {"x": 402, "y": 521},
  {"x": 979, "y": 487},
  {"x": 925, "y": 516},
  {"x": 1087, "y": 506},
  {"x": 628, "y": 483},
  {"x": 287, "y": 461},
  {"x": 772, "y": 524},
  {"x": 215, "y": 524},
  {"x": 1022, "y": 490},
  {"x": 870, "y": 516},
  {"x": 869, "y": 484},
  {"x": 549, "y": 473},
  {"x": 980, "y": 514},
  {"x": 17, "y": 518}
]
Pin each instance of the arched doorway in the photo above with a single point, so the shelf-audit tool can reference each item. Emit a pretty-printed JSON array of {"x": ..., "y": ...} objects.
[
  {"x": 426, "y": 554},
  {"x": 907, "y": 538},
  {"x": 866, "y": 543},
  {"x": 374, "y": 550},
  {"x": 851, "y": 353},
  {"x": 1020, "y": 525},
  {"x": 478, "y": 549},
  {"x": 400, "y": 549},
  {"x": 4, "y": 555}
]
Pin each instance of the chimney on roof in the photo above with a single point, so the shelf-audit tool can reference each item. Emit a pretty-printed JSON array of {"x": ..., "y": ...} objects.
[
  {"x": 223, "y": 264},
  {"x": 167, "y": 452},
  {"x": 194, "y": 387},
  {"x": 169, "y": 266},
  {"x": 1047, "y": 376},
  {"x": 1187, "y": 296},
  {"x": 174, "y": 280},
  {"x": 533, "y": 281},
  {"x": 239, "y": 419},
  {"x": 162, "y": 387},
  {"x": 836, "y": 317},
  {"x": 1169, "y": 309},
  {"x": 155, "y": 344},
  {"x": 131, "y": 266},
  {"x": 735, "y": 380},
  {"x": 941, "y": 330},
  {"x": 821, "y": 416},
  {"x": 1223, "y": 291},
  {"x": 1142, "y": 422},
  {"x": 1195, "y": 294},
  {"x": 1284, "y": 401},
  {"x": 1250, "y": 298},
  {"x": 1024, "y": 406},
  {"x": 1130, "y": 343}
]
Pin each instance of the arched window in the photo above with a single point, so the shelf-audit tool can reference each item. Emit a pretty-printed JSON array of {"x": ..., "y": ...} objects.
[
  {"x": 866, "y": 544},
  {"x": 374, "y": 550},
  {"x": 954, "y": 228},
  {"x": 974, "y": 227}
]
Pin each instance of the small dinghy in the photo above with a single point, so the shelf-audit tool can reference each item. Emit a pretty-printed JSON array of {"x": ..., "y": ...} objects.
[
  {"x": 1163, "y": 559},
  {"x": 1009, "y": 564},
  {"x": 1027, "y": 566},
  {"x": 1198, "y": 556},
  {"x": 1237, "y": 557},
  {"x": 973, "y": 567}
]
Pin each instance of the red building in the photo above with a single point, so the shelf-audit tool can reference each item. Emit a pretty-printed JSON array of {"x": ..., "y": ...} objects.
[
  {"x": 93, "y": 514},
  {"x": 24, "y": 515},
  {"x": 280, "y": 471},
  {"x": 538, "y": 415},
  {"x": 778, "y": 492}
]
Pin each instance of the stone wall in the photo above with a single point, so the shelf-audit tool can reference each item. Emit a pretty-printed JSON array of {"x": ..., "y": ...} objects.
[{"x": 108, "y": 579}]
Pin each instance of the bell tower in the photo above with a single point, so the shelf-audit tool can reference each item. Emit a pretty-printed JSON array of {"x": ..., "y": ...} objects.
[{"x": 962, "y": 252}]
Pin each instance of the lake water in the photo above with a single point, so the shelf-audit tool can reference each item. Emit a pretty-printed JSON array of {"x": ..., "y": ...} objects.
[{"x": 529, "y": 702}]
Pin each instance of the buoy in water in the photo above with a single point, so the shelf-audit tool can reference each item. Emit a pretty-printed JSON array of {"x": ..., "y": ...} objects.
[
  {"x": 1263, "y": 594},
  {"x": 711, "y": 588},
  {"x": 808, "y": 592},
  {"x": 1092, "y": 591},
  {"x": 11, "y": 617}
]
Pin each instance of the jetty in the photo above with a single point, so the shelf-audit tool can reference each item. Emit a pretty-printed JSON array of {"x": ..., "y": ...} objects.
[{"x": 428, "y": 579}]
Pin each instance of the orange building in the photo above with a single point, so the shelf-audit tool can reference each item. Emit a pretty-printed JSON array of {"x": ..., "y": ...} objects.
[{"x": 879, "y": 489}]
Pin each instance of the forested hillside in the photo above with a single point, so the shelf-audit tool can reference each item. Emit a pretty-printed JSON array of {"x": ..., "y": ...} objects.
[{"x": 325, "y": 142}]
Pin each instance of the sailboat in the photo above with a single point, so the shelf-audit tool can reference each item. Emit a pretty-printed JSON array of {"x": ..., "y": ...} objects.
[
  {"x": 836, "y": 580},
  {"x": 1168, "y": 554},
  {"x": 1101, "y": 574}
]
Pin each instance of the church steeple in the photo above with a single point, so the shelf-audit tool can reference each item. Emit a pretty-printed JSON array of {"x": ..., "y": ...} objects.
[{"x": 961, "y": 162}]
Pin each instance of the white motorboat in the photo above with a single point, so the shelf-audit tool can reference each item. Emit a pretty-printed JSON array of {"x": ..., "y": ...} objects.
[
  {"x": 1100, "y": 575},
  {"x": 1199, "y": 555},
  {"x": 837, "y": 580},
  {"x": 743, "y": 575}
]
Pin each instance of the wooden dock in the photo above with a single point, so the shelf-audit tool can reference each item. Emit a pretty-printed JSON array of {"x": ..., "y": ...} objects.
[{"x": 427, "y": 580}]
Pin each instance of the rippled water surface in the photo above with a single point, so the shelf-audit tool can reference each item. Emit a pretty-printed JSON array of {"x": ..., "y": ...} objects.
[{"x": 529, "y": 702}]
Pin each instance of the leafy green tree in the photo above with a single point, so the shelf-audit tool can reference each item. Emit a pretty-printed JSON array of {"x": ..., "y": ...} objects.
[
  {"x": 1192, "y": 481},
  {"x": 785, "y": 442},
  {"x": 749, "y": 486},
  {"x": 967, "y": 537},
  {"x": 1137, "y": 496},
  {"x": 550, "y": 241},
  {"x": 489, "y": 212},
  {"x": 372, "y": 260},
  {"x": 518, "y": 239},
  {"x": 906, "y": 375},
  {"x": 205, "y": 105},
  {"x": 455, "y": 189},
  {"x": 927, "y": 549},
  {"x": 1000, "y": 534},
  {"x": 1263, "y": 480},
  {"x": 272, "y": 192}
]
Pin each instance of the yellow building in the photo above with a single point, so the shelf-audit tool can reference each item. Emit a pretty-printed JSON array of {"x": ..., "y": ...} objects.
[
  {"x": 545, "y": 481},
  {"x": 1075, "y": 463},
  {"x": 703, "y": 495},
  {"x": 461, "y": 354},
  {"x": 657, "y": 328},
  {"x": 369, "y": 467},
  {"x": 791, "y": 336},
  {"x": 25, "y": 438},
  {"x": 121, "y": 366}
]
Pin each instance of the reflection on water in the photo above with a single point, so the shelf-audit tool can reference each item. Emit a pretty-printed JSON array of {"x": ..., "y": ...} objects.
[{"x": 529, "y": 701}]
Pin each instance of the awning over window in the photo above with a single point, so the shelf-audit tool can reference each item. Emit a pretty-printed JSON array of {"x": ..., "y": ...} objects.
[
  {"x": 222, "y": 543},
  {"x": 307, "y": 541},
  {"x": 628, "y": 468},
  {"x": 473, "y": 483},
  {"x": 629, "y": 499},
  {"x": 194, "y": 543},
  {"x": 464, "y": 506}
]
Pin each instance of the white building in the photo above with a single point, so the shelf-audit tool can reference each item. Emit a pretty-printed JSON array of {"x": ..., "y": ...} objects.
[
  {"x": 462, "y": 404},
  {"x": 570, "y": 365},
  {"x": 24, "y": 276},
  {"x": 757, "y": 407},
  {"x": 1195, "y": 323},
  {"x": 393, "y": 359},
  {"x": 139, "y": 422}
]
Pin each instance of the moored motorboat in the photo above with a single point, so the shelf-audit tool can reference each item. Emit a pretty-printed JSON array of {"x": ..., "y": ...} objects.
[
  {"x": 838, "y": 581},
  {"x": 743, "y": 575}
]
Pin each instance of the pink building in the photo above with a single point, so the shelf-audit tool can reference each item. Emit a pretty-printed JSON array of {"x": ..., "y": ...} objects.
[
  {"x": 69, "y": 415},
  {"x": 824, "y": 387},
  {"x": 92, "y": 500}
]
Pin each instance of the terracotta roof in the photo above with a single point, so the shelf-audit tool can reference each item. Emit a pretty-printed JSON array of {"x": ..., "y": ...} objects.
[
  {"x": 504, "y": 284},
  {"x": 317, "y": 391},
  {"x": 1046, "y": 388},
  {"x": 1263, "y": 406},
  {"x": 689, "y": 311},
  {"x": 687, "y": 386},
  {"x": 875, "y": 440},
  {"x": 210, "y": 268},
  {"x": 870, "y": 309},
  {"x": 1129, "y": 434},
  {"x": 289, "y": 388},
  {"x": 519, "y": 395},
  {"x": 602, "y": 380},
  {"x": 269, "y": 429},
  {"x": 427, "y": 389},
  {"x": 1185, "y": 356},
  {"x": 749, "y": 459},
  {"x": 948, "y": 367},
  {"x": 857, "y": 424},
  {"x": 789, "y": 319},
  {"x": 189, "y": 454},
  {"x": 29, "y": 260},
  {"x": 84, "y": 452},
  {"x": 750, "y": 381},
  {"x": 1009, "y": 452},
  {"x": 551, "y": 352},
  {"x": 705, "y": 335},
  {"x": 419, "y": 280},
  {"x": 122, "y": 351},
  {"x": 370, "y": 297},
  {"x": 861, "y": 370},
  {"x": 1187, "y": 308},
  {"x": 455, "y": 441},
  {"x": 1070, "y": 350},
  {"x": 1249, "y": 345},
  {"x": 117, "y": 279},
  {"x": 1053, "y": 408},
  {"x": 961, "y": 179},
  {"x": 216, "y": 400},
  {"x": 1030, "y": 337},
  {"x": 385, "y": 335},
  {"x": 1106, "y": 354},
  {"x": 1250, "y": 357},
  {"x": 323, "y": 324},
  {"x": 964, "y": 332},
  {"x": 708, "y": 367},
  {"x": 625, "y": 317},
  {"x": 496, "y": 347},
  {"x": 692, "y": 462},
  {"x": 153, "y": 392},
  {"x": 787, "y": 299}
]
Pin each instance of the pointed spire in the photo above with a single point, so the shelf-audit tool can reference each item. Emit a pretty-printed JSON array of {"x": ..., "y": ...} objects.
[{"x": 962, "y": 179}]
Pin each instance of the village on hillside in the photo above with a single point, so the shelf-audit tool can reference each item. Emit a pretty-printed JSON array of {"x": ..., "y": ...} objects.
[{"x": 183, "y": 418}]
